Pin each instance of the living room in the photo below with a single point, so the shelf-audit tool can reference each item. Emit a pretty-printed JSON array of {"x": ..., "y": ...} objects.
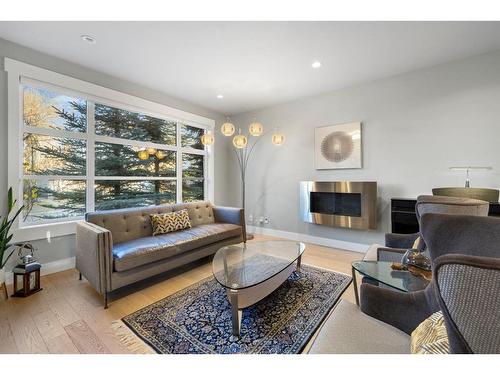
[{"x": 250, "y": 185}]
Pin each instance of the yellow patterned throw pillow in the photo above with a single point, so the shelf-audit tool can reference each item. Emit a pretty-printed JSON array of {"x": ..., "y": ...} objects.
[
  {"x": 430, "y": 337},
  {"x": 170, "y": 222}
]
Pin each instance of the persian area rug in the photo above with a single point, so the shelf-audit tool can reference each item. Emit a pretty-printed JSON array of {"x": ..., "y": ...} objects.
[{"x": 198, "y": 319}]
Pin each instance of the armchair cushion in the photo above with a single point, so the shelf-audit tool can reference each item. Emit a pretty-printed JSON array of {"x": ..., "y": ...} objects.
[
  {"x": 349, "y": 331},
  {"x": 134, "y": 253},
  {"x": 430, "y": 337}
]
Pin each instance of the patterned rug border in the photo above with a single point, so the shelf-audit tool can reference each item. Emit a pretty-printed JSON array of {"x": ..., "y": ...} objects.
[{"x": 149, "y": 348}]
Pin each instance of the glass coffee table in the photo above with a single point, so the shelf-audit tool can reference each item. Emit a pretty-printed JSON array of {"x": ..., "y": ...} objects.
[
  {"x": 251, "y": 271},
  {"x": 382, "y": 272}
]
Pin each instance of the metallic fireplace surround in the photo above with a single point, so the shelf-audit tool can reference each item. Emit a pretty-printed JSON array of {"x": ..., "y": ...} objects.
[{"x": 368, "y": 215}]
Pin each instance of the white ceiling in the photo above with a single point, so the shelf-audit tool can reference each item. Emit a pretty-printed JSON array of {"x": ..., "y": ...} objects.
[{"x": 254, "y": 64}]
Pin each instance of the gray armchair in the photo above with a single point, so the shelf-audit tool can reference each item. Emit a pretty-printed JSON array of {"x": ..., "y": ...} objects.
[
  {"x": 465, "y": 252},
  {"x": 396, "y": 244}
]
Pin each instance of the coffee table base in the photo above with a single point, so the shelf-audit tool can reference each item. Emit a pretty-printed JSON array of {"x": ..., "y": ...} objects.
[{"x": 241, "y": 298}]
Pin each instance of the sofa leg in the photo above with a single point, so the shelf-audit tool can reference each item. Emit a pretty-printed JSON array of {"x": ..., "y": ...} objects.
[
  {"x": 80, "y": 277},
  {"x": 105, "y": 300}
]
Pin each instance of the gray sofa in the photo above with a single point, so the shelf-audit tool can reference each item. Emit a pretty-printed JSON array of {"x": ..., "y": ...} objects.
[{"x": 116, "y": 248}]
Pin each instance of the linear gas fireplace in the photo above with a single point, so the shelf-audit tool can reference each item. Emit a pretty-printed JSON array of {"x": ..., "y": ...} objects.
[{"x": 339, "y": 204}]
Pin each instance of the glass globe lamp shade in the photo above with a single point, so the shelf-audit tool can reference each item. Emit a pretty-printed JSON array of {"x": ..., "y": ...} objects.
[
  {"x": 207, "y": 139},
  {"x": 255, "y": 129},
  {"x": 143, "y": 154},
  {"x": 227, "y": 129},
  {"x": 278, "y": 139},
  {"x": 240, "y": 141},
  {"x": 160, "y": 155},
  {"x": 151, "y": 150}
]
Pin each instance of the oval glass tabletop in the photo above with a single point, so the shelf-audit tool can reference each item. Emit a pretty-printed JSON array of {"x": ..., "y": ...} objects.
[
  {"x": 382, "y": 272},
  {"x": 244, "y": 265}
]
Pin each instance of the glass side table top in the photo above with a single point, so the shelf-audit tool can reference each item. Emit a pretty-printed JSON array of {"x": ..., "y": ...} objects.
[
  {"x": 245, "y": 265},
  {"x": 383, "y": 273}
]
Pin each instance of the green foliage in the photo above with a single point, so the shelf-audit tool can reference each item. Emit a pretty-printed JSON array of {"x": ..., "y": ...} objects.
[
  {"x": 69, "y": 158},
  {"x": 5, "y": 235}
]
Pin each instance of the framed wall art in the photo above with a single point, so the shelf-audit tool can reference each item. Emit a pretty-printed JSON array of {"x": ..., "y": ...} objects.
[{"x": 338, "y": 146}]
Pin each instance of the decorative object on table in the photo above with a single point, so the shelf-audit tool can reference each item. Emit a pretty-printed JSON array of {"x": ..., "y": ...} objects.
[
  {"x": 426, "y": 274},
  {"x": 28, "y": 270},
  {"x": 338, "y": 146},
  {"x": 416, "y": 258},
  {"x": 417, "y": 271},
  {"x": 243, "y": 147},
  {"x": 467, "y": 169},
  {"x": 6, "y": 250},
  {"x": 198, "y": 319}
]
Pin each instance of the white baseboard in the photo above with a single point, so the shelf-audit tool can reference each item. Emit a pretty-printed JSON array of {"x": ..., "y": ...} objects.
[
  {"x": 48, "y": 268},
  {"x": 329, "y": 242}
]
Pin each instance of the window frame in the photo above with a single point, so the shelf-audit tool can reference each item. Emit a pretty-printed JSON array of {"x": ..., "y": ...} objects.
[{"x": 21, "y": 73}]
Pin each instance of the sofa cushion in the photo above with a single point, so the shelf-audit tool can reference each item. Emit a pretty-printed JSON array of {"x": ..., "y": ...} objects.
[
  {"x": 203, "y": 235},
  {"x": 134, "y": 253},
  {"x": 170, "y": 222},
  {"x": 349, "y": 331}
]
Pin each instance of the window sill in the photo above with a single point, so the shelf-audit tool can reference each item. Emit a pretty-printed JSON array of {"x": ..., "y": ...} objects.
[{"x": 45, "y": 231}]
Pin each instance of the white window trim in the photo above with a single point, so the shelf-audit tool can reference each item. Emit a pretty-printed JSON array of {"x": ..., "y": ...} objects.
[{"x": 18, "y": 70}]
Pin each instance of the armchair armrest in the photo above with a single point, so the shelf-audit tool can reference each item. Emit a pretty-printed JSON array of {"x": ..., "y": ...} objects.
[
  {"x": 402, "y": 241},
  {"x": 94, "y": 257},
  {"x": 386, "y": 254},
  {"x": 231, "y": 215},
  {"x": 404, "y": 311},
  {"x": 383, "y": 254}
]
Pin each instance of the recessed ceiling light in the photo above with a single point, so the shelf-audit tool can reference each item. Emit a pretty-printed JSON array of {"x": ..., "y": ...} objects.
[
  {"x": 88, "y": 39},
  {"x": 220, "y": 96},
  {"x": 316, "y": 65}
]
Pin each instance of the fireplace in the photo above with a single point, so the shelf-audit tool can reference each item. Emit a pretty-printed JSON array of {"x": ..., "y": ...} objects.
[{"x": 339, "y": 204}]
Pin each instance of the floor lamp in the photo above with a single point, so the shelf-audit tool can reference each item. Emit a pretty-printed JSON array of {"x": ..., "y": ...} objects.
[{"x": 244, "y": 145}]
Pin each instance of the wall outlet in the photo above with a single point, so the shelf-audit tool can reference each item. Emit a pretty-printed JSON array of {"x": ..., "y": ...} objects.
[
  {"x": 261, "y": 219},
  {"x": 250, "y": 219},
  {"x": 266, "y": 220}
]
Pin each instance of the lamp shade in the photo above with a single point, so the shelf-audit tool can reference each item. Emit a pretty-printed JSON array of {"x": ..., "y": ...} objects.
[
  {"x": 143, "y": 154},
  {"x": 255, "y": 129},
  {"x": 278, "y": 139},
  {"x": 240, "y": 141},
  {"x": 160, "y": 155},
  {"x": 207, "y": 139},
  {"x": 151, "y": 150},
  {"x": 227, "y": 129}
]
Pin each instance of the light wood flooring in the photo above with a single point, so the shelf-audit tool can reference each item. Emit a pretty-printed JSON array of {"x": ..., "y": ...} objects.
[{"x": 67, "y": 316}]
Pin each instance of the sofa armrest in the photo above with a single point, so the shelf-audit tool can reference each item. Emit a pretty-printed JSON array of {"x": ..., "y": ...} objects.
[
  {"x": 94, "y": 257},
  {"x": 231, "y": 215},
  {"x": 402, "y": 241}
]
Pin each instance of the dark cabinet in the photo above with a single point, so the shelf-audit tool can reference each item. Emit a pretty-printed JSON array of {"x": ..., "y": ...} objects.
[{"x": 404, "y": 219}]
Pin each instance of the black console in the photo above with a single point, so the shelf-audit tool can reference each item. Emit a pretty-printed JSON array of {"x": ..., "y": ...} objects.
[{"x": 404, "y": 219}]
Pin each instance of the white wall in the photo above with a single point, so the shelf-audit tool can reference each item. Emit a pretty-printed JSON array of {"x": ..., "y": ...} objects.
[
  {"x": 64, "y": 247},
  {"x": 415, "y": 126}
]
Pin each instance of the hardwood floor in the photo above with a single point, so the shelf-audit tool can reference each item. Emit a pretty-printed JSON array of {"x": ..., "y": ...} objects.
[{"x": 67, "y": 316}]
